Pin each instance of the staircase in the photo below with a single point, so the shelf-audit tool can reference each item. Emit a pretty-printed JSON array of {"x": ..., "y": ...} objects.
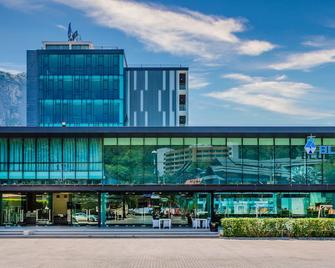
[{"x": 95, "y": 232}]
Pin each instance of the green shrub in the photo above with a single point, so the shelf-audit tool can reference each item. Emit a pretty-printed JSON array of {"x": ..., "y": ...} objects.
[{"x": 278, "y": 227}]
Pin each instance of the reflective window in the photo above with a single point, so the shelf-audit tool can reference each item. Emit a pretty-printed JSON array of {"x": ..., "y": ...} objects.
[
  {"x": 234, "y": 161},
  {"x": 329, "y": 163},
  {"x": 165, "y": 160},
  {"x": 266, "y": 161},
  {"x": 282, "y": 161},
  {"x": 80, "y": 89},
  {"x": 274, "y": 204},
  {"x": 250, "y": 161}
]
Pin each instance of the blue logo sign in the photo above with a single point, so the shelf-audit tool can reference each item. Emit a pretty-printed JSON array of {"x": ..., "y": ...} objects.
[{"x": 310, "y": 146}]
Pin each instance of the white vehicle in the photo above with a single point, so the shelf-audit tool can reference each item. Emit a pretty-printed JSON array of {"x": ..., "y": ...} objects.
[{"x": 82, "y": 217}]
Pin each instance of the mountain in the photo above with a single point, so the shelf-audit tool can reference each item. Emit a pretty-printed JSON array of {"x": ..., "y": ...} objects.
[{"x": 12, "y": 99}]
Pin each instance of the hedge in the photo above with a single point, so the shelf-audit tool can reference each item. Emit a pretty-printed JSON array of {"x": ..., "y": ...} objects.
[{"x": 278, "y": 227}]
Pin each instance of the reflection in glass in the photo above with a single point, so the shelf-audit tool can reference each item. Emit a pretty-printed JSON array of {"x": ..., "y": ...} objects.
[
  {"x": 143, "y": 209},
  {"x": 274, "y": 204}
]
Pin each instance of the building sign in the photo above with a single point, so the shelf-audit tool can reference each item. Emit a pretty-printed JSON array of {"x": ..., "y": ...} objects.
[{"x": 310, "y": 147}]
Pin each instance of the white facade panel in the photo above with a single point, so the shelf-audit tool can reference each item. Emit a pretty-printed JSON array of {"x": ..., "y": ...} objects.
[
  {"x": 146, "y": 118},
  {"x": 146, "y": 80},
  {"x": 164, "y": 81},
  {"x": 135, "y": 80},
  {"x": 159, "y": 101},
  {"x": 141, "y": 101}
]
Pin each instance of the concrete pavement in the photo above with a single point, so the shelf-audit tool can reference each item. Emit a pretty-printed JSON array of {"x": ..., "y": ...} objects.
[{"x": 165, "y": 253}]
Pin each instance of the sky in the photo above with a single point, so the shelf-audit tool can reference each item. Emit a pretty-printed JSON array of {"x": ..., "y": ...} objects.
[{"x": 260, "y": 62}]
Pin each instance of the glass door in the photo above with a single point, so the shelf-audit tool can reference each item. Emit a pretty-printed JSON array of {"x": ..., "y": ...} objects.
[
  {"x": 43, "y": 209},
  {"x": 85, "y": 208},
  {"x": 129, "y": 209},
  {"x": 12, "y": 212},
  {"x": 143, "y": 209}
]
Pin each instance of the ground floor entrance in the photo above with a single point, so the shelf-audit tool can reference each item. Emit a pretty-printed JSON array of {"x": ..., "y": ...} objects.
[
  {"x": 103, "y": 209},
  {"x": 142, "y": 209},
  {"x": 179, "y": 209}
]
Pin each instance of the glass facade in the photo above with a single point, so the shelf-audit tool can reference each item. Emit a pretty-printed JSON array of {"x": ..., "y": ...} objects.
[
  {"x": 51, "y": 160},
  {"x": 80, "y": 87},
  {"x": 164, "y": 160},
  {"x": 215, "y": 160},
  {"x": 141, "y": 209},
  {"x": 274, "y": 204},
  {"x": 138, "y": 169}
]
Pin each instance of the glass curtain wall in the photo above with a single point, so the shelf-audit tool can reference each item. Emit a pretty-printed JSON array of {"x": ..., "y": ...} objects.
[
  {"x": 214, "y": 160},
  {"x": 81, "y": 88},
  {"x": 274, "y": 204},
  {"x": 51, "y": 160},
  {"x": 142, "y": 209},
  {"x": 164, "y": 160}
]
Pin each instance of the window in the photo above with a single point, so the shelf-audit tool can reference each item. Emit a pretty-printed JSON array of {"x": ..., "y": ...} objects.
[
  {"x": 182, "y": 99},
  {"x": 182, "y": 120},
  {"x": 182, "y": 102},
  {"x": 182, "y": 81}
]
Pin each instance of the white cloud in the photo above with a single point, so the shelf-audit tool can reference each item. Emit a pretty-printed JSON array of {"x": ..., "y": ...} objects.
[
  {"x": 23, "y": 5},
  {"x": 176, "y": 31},
  {"x": 198, "y": 81},
  {"x": 318, "y": 41},
  {"x": 281, "y": 77},
  {"x": 239, "y": 77},
  {"x": 305, "y": 61},
  {"x": 284, "y": 97},
  {"x": 62, "y": 27},
  {"x": 254, "y": 47}
]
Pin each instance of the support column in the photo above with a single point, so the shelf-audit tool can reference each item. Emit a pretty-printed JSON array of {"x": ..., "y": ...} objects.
[
  {"x": 1, "y": 209},
  {"x": 102, "y": 209},
  {"x": 212, "y": 206}
]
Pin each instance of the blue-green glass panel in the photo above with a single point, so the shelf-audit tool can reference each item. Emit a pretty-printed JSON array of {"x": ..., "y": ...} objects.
[
  {"x": 16, "y": 158},
  {"x": 42, "y": 157},
  {"x": 250, "y": 153},
  {"x": 282, "y": 161},
  {"x": 29, "y": 165},
  {"x": 95, "y": 161},
  {"x": 3, "y": 158},
  {"x": 56, "y": 158},
  {"x": 69, "y": 158},
  {"x": 298, "y": 161},
  {"x": 82, "y": 158}
]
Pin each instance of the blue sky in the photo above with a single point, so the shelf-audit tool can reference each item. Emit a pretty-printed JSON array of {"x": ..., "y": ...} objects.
[{"x": 257, "y": 62}]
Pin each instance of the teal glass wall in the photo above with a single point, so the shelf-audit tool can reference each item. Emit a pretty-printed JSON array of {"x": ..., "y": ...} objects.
[
  {"x": 51, "y": 160},
  {"x": 215, "y": 160},
  {"x": 164, "y": 160},
  {"x": 80, "y": 88}
]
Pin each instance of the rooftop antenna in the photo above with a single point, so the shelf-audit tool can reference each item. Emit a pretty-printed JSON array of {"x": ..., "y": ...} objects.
[{"x": 72, "y": 36}]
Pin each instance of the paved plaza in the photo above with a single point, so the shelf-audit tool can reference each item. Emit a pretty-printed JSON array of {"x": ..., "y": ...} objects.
[{"x": 165, "y": 253}]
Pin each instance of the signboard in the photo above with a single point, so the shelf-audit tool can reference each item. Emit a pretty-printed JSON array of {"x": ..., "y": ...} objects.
[{"x": 310, "y": 147}]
